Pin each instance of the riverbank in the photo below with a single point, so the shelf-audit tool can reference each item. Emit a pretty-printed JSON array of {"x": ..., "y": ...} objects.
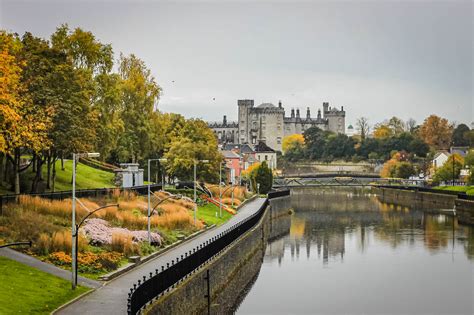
[
  {"x": 112, "y": 297},
  {"x": 227, "y": 275},
  {"x": 464, "y": 209}
]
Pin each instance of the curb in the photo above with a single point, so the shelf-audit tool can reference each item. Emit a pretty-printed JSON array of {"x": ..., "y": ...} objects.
[
  {"x": 111, "y": 276},
  {"x": 73, "y": 300}
]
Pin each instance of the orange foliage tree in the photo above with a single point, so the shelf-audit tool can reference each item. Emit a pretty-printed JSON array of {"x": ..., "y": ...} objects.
[{"x": 436, "y": 132}]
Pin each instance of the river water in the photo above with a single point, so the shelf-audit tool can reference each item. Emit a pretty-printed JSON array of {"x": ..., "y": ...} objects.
[{"x": 345, "y": 252}]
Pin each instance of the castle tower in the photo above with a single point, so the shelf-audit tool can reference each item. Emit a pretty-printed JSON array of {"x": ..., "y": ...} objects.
[{"x": 244, "y": 112}]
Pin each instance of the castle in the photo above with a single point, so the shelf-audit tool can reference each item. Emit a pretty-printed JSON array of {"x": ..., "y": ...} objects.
[{"x": 267, "y": 123}]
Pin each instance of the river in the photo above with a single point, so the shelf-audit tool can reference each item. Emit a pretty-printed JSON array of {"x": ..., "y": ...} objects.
[{"x": 345, "y": 252}]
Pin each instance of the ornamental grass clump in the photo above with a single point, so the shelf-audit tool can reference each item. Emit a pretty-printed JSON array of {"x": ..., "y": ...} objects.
[
  {"x": 123, "y": 242},
  {"x": 62, "y": 241},
  {"x": 228, "y": 201}
]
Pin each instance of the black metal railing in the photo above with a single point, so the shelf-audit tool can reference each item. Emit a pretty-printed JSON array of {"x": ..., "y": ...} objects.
[{"x": 155, "y": 285}]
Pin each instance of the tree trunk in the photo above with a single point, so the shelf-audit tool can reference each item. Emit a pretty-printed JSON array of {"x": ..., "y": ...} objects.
[
  {"x": 16, "y": 171},
  {"x": 5, "y": 173},
  {"x": 54, "y": 174},
  {"x": 62, "y": 163},
  {"x": 34, "y": 158},
  {"x": 48, "y": 175},
  {"x": 2, "y": 160},
  {"x": 39, "y": 174}
]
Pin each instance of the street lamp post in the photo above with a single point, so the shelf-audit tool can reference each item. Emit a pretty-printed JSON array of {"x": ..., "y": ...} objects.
[
  {"x": 149, "y": 194},
  {"x": 220, "y": 190},
  {"x": 194, "y": 185},
  {"x": 75, "y": 156},
  {"x": 76, "y": 238}
]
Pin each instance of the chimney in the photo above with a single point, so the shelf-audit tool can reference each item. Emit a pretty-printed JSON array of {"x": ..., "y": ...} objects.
[
  {"x": 308, "y": 113},
  {"x": 319, "y": 114},
  {"x": 225, "y": 120},
  {"x": 297, "y": 113},
  {"x": 292, "y": 113},
  {"x": 279, "y": 104},
  {"x": 342, "y": 108}
]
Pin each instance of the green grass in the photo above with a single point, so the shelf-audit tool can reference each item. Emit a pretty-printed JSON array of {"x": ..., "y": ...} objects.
[
  {"x": 86, "y": 177},
  {"x": 30, "y": 291},
  {"x": 208, "y": 212},
  {"x": 467, "y": 189}
]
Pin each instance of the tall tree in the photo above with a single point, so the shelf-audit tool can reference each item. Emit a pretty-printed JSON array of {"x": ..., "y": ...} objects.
[
  {"x": 459, "y": 135},
  {"x": 140, "y": 93},
  {"x": 363, "y": 127},
  {"x": 22, "y": 127},
  {"x": 436, "y": 132}
]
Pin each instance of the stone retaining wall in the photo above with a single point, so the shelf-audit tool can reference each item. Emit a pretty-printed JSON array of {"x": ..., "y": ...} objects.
[
  {"x": 230, "y": 274},
  {"x": 465, "y": 211},
  {"x": 421, "y": 200}
]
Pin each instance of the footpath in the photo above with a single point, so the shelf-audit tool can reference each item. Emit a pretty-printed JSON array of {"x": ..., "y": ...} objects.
[{"x": 111, "y": 298}]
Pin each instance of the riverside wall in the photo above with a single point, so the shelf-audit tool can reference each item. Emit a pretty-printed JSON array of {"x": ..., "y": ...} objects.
[
  {"x": 230, "y": 274},
  {"x": 428, "y": 201}
]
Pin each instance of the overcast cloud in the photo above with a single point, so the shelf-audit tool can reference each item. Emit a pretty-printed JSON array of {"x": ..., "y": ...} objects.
[{"x": 375, "y": 58}]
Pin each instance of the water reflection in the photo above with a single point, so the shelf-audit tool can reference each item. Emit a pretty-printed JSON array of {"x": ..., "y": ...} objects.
[{"x": 352, "y": 248}]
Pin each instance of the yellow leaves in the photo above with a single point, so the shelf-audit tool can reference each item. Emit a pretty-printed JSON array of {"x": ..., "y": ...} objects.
[
  {"x": 21, "y": 125},
  {"x": 292, "y": 141},
  {"x": 382, "y": 132}
]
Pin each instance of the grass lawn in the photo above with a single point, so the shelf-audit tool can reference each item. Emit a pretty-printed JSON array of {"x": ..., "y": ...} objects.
[
  {"x": 30, "y": 291},
  {"x": 86, "y": 176},
  {"x": 467, "y": 189},
  {"x": 208, "y": 212}
]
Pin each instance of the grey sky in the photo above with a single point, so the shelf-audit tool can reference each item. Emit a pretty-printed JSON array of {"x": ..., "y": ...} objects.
[{"x": 375, "y": 58}]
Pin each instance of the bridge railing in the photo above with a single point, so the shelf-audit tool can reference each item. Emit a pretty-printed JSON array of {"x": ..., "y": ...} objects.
[{"x": 153, "y": 286}]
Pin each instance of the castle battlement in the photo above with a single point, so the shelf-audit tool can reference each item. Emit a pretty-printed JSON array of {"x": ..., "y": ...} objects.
[{"x": 268, "y": 123}]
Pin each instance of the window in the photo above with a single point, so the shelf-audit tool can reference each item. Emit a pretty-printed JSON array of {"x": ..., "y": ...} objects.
[
  {"x": 279, "y": 140},
  {"x": 266, "y": 157}
]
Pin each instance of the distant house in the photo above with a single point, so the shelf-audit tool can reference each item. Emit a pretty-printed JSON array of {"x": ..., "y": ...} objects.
[
  {"x": 462, "y": 151},
  {"x": 232, "y": 165},
  {"x": 440, "y": 158},
  {"x": 264, "y": 153}
]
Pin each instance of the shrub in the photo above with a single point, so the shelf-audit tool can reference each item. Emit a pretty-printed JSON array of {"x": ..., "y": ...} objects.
[
  {"x": 122, "y": 242},
  {"x": 43, "y": 244},
  {"x": 88, "y": 262}
]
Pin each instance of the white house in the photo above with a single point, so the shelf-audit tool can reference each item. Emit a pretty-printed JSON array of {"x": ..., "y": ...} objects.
[
  {"x": 440, "y": 158},
  {"x": 267, "y": 154}
]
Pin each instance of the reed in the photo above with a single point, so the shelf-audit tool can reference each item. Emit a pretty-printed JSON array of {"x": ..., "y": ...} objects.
[{"x": 122, "y": 243}]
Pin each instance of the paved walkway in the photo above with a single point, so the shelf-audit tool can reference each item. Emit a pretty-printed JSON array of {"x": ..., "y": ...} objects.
[
  {"x": 112, "y": 297},
  {"x": 49, "y": 268}
]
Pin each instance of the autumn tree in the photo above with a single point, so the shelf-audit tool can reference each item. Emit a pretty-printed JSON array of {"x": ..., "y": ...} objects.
[
  {"x": 22, "y": 127},
  {"x": 140, "y": 93},
  {"x": 363, "y": 127},
  {"x": 450, "y": 170},
  {"x": 195, "y": 141},
  {"x": 436, "y": 132},
  {"x": 382, "y": 131}
]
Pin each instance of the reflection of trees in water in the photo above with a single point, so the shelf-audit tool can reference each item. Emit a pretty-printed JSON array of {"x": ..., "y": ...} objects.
[{"x": 333, "y": 215}]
